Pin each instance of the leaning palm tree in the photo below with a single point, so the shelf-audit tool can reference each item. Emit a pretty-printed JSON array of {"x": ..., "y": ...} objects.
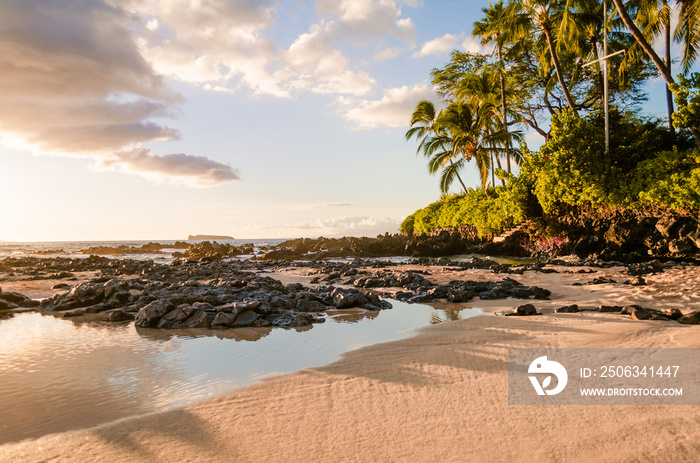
[
  {"x": 482, "y": 91},
  {"x": 475, "y": 134},
  {"x": 435, "y": 144}
]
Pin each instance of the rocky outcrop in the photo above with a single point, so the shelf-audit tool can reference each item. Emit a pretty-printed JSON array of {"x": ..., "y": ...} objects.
[
  {"x": 629, "y": 236},
  {"x": 214, "y": 251},
  {"x": 416, "y": 288},
  {"x": 11, "y": 300},
  {"x": 234, "y": 299}
]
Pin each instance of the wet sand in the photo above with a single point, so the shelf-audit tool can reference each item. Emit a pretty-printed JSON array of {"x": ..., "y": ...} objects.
[{"x": 440, "y": 396}]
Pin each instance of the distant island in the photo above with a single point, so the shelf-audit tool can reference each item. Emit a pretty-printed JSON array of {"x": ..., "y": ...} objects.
[{"x": 210, "y": 237}]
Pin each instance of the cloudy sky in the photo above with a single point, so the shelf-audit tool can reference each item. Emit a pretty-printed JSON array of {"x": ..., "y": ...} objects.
[{"x": 155, "y": 119}]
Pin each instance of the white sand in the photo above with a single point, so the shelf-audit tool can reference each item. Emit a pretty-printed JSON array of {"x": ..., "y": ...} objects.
[{"x": 440, "y": 396}]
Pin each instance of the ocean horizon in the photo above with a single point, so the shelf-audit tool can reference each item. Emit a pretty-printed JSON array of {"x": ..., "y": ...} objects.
[{"x": 73, "y": 248}]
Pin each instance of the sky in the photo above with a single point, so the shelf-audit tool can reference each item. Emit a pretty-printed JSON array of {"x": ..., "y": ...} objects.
[{"x": 156, "y": 119}]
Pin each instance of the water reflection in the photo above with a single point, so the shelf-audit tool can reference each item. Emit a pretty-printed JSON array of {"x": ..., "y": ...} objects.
[
  {"x": 59, "y": 374},
  {"x": 239, "y": 334}
]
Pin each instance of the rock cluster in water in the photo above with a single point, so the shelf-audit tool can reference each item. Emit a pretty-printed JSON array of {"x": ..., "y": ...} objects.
[
  {"x": 237, "y": 299},
  {"x": 416, "y": 288}
]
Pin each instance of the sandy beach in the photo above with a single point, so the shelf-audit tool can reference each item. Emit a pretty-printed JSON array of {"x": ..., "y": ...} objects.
[{"x": 439, "y": 396}]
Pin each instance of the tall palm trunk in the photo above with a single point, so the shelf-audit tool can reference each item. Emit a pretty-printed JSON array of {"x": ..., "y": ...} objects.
[
  {"x": 669, "y": 94},
  {"x": 503, "y": 105},
  {"x": 557, "y": 68},
  {"x": 660, "y": 65},
  {"x": 464, "y": 188}
]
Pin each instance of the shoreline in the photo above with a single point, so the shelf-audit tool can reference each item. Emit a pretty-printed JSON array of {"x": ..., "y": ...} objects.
[
  {"x": 439, "y": 394},
  {"x": 407, "y": 400}
]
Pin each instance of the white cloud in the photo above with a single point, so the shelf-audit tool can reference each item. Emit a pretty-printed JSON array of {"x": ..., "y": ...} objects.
[
  {"x": 219, "y": 42},
  {"x": 77, "y": 84},
  {"x": 321, "y": 69},
  {"x": 446, "y": 44},
  {"x": 323, "y": 205},
  {"x": 386, "y": 54},
  {"x": 335, "y": 227},
  {"x": 223, "y": 43},
  {"x": 180, "y": 168},
  {"x": 394, "y": 109}
]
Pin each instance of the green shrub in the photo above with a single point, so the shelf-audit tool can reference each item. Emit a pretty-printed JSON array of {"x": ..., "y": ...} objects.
[
  {"x": 570, "y": 169},
  {"x": 491, "y": 215},
  {"x": 671, "y": 179}
]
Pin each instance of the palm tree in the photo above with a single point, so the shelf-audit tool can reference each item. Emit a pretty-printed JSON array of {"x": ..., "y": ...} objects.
[
  {"x": 688, "y": 30},
  {"x": 435, "y": 145},
  {"x": 492, "y": 31},
  {"x": 475, "y": 134},
  {"x": 541, "y": 18},
  {"x": 654, "y": 19},
  {"x": 481, "y": 90}
]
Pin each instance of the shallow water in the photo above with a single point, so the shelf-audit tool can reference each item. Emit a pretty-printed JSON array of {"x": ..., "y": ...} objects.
[{"x": 57, "y": 375}]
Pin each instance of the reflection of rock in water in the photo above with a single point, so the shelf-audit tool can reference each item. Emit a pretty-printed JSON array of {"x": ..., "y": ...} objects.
[
  {"x": 238, "y": 334},
  {"x": 446, "y": 312},
  {"x": 352, "y": 315}
]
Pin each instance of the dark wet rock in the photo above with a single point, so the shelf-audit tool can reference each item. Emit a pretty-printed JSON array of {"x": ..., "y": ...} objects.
[
  {"x": 395, "y": 279},
  {"x": 344, "y": 299},
  {"x": 668, "y": 226},
  {"x": 96, "y": 308},
  {"x": 246, "y": 318},
  {"x": 636, "y": 281},
  {"x": 304, "y": 305},
  {"x": 601, "y": 281},
  {"x": 72, "y": 313},
  {"x": 682, "y": 246},
  {"x": 524, "y": 310},
  {"x": 586, "y": 245},
  {"x": 645, "y": 313},
  {"x": 568, "y": 309},
  {"x": 290, "y": 319},
  {"x": 198, "y": 319},
  {"x": 173, "y": 319},
  {"x": 465, "y": 290},
  {"x": 149, "y": 316},
  {"x": 223, "y": 320},
  {"x": 638, "y": 312},
  {"x": 4, "y": 305},
  {"x": 645, "y": 268},
  {"x": 609, "y": 308},
  {"x": 673, "y": 314},
  {"x": 61, "y": 286},
  {"x": 19, "y": 300},
  {"x": 692, "y": 318}
]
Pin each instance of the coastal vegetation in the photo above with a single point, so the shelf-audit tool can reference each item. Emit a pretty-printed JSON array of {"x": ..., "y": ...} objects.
[{"x": 543, "y": 77}]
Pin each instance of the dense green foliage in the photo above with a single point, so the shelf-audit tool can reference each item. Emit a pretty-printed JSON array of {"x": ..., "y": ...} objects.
[
  {"x": 670, "y": 179},
  {"x": 573, "y": 170},
  {"x": 536, "y": 79},
  {"x": 687, "y": 92},
  {"x": 501, "y": 209}
]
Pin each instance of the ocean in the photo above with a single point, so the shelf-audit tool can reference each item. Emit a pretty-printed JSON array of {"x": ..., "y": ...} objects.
[{"x": 73, "y": 248}]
